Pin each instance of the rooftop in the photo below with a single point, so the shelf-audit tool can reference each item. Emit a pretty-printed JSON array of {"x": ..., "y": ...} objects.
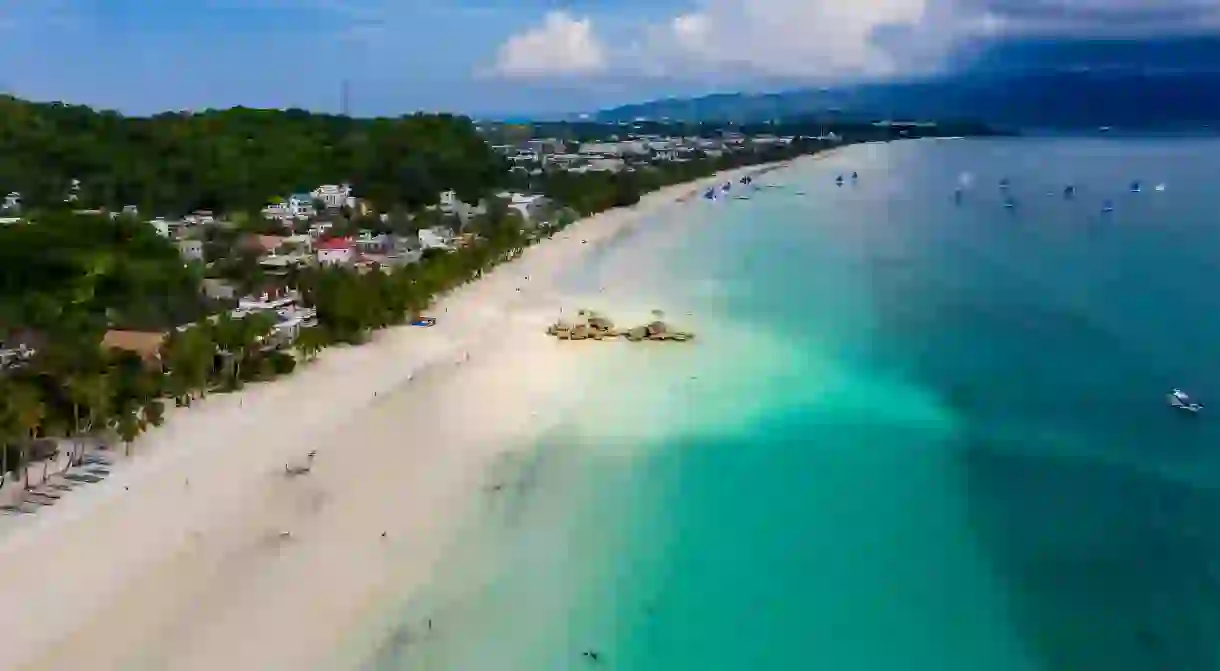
[{"x": 335, "y": 243}]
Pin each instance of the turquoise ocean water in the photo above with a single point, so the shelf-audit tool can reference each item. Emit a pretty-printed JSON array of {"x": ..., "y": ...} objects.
[{"x": 913, "y": 434}]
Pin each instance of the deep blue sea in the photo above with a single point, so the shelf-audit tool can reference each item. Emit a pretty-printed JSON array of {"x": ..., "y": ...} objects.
[{"x": 912, "y": 434}]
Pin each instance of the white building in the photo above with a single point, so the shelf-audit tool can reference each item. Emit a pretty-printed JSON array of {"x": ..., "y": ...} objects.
[
  {"x": 449, "y": 201},
  {"x": 320, "y": 228},
  {"x": 12, "y": 201},
  {"x": 301, "y": 205},
  {"x": 335, "y": 196},
  {"x": 162, "y": 226},
  {"x": 530, "y": 207},
  {"x": 269, "y": 299},
  {"x": 277, "y": 211},
  {"x": 191, "y": 250},
  {"x": 336, "y": 250},
  {"x": 437, "y": 237},
  {"x": 200, "y": 218}
]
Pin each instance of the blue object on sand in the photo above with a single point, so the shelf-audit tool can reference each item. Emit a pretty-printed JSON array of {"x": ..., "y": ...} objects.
[{"x": 424, "y": 321}]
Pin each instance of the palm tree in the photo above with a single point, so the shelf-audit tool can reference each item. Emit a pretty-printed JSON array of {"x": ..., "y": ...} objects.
[
  {"x": 154, "y": 413},
  {"x": 29, "y": 411},
  {"x": 96, "y": 393},
  {"x": 233, "y": 339},
  {"x": 77, "y": 391},
  {"x": 189, "y": 355},
  {"x": 309, "y": 342},
  {"x": 128, "y": 425},
  {"x": 8, "y": 427}
]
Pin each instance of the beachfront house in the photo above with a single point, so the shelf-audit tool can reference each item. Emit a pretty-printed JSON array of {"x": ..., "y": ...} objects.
[
  {"x": 436, "y": 237},
  {"x": 406, "y": 250},
  {"x": 453, "y": 206},
  {"x": 531, "y": 207},
  {"x": 336, "y": 251},
  {"x": 144, "y": 344},
  {"x": 282, "y": 304}
]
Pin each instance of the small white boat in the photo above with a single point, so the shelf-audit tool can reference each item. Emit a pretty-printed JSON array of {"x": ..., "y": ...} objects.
[
  {"x": 1178, "y": 399},
  {"x": 1160, "y": 187}
]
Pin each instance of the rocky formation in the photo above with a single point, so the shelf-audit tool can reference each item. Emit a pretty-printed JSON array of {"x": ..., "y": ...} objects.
[{"x": 593, "y": 326}]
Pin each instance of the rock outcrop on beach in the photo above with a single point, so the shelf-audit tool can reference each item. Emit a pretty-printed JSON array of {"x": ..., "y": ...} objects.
[{"x": 594, "y": 326}]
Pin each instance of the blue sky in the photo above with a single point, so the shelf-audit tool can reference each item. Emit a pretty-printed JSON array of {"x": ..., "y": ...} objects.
[{"x": 501, "y": 56}]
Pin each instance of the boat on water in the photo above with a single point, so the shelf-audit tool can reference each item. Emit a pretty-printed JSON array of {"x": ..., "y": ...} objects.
[
  {"x": 854, "y": 176},
  {"x": 710, "y": 194},
  {"x": 1069, "y": 191},
  {"x": 1107, "y": 207},
  {"x": 1180, "y": 400},
  {"x": 1009, "y": 203},
  {"x": 1135, "y": 187},
  {"x": 1160, "y": 187},
  {"x": 1004, "y": 183},
  {"x": 839, "y": 180}
]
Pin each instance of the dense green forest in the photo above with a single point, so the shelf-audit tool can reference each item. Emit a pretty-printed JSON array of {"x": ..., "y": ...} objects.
[
  {"x": 236, "y": 159},
  {"x": 74, "y": 274}
]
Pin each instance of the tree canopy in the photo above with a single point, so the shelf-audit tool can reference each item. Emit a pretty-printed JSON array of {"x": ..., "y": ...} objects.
[
  {"x": 68, "y": 273},
  {"x": 235, "y": 159}
]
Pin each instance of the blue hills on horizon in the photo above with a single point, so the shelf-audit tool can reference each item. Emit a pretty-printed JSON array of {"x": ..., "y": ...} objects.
[{"x": 1125, "y": 98}]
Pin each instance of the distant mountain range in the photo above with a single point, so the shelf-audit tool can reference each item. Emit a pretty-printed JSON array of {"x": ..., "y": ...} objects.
[{"x": 1125, "y": 98}]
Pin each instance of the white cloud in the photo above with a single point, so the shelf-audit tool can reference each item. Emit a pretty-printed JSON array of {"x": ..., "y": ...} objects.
[
  {"x": 737, "y": 40},
  {"x": 788, "y": 38},
  {"x": 562, "y": 45}
]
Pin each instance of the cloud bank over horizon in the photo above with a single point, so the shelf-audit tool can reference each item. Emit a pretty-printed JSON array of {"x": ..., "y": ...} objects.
[{"x": 727, "y": 41}]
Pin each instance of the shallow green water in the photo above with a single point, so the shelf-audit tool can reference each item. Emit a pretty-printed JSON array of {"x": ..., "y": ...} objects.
[{"x": 914, "y": 434}]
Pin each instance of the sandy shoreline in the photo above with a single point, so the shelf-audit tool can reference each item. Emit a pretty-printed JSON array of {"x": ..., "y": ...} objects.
[{"x": 176, "y": 560}]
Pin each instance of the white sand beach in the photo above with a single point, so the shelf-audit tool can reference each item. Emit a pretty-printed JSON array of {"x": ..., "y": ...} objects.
[{"x": 178, "y": 559}]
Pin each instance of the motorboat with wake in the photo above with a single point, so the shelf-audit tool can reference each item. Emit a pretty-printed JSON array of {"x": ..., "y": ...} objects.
[{"x": 1180, "y": 400}]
